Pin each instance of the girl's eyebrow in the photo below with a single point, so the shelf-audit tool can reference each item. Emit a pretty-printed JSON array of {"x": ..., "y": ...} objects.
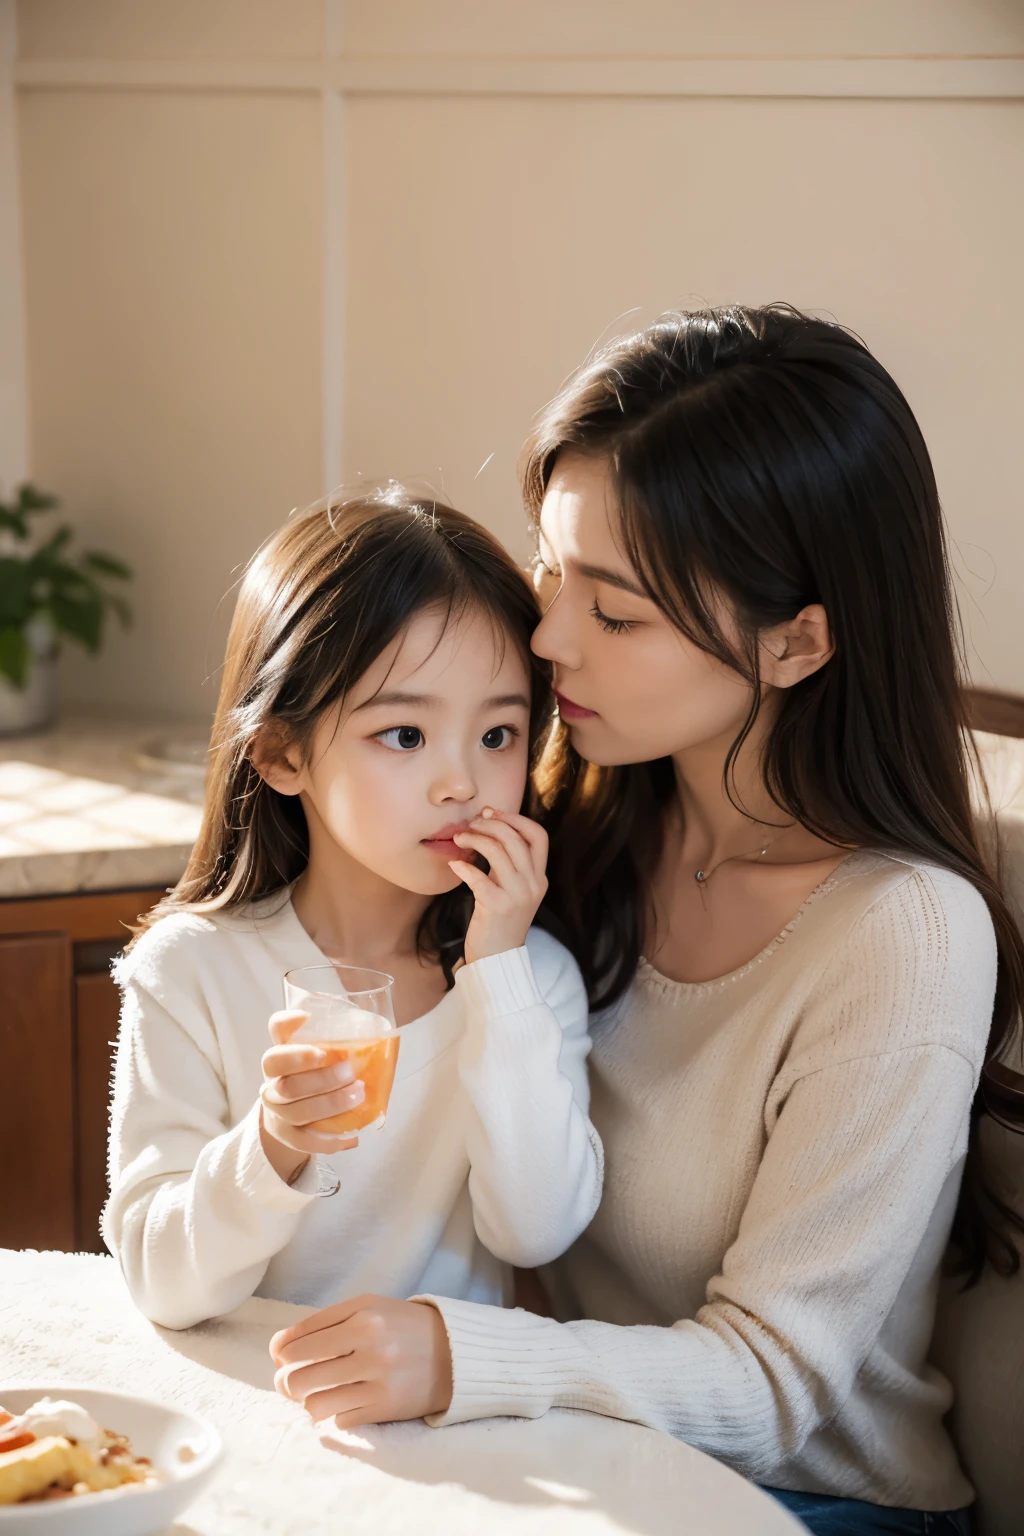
[{"x": 395, "y": 696}]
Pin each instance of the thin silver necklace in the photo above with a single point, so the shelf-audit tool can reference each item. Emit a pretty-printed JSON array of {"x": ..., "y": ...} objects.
[{"x": 702, "y": 876}]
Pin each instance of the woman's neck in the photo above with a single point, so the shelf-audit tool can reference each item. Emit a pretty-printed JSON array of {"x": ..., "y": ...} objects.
[
  {"x": 351, "y": 913},
  {"x": 714, "y": 825}
]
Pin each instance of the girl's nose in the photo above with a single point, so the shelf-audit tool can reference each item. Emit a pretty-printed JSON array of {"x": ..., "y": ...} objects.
[{"x": 454, "y": 783}]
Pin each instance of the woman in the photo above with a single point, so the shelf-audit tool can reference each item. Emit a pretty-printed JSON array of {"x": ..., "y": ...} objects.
[{"x": 758, "y": 785}]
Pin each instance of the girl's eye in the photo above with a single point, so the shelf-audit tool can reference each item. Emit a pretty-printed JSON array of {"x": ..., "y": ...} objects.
[
  {"x": 498, "y": 737},
  {"x": 612, "y": 626},
  {"x": 401, "y": 738}
]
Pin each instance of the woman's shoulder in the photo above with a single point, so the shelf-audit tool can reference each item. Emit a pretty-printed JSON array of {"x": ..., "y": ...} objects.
[
  {"x": 926, "y": 902},
  {"x": 911, "y": 958}
]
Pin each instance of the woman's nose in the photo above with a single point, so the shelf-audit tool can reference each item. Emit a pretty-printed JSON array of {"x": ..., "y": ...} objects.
[{"x": 554, "y": 639}]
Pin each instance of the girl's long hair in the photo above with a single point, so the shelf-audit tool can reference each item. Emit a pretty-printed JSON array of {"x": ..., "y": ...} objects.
[
  {"x": 318, "y": 604},
  {"x": 768, "y": 456}
]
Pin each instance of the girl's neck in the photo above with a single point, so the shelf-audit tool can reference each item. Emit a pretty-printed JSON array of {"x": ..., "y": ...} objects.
[{"x": 351, "y": 913}]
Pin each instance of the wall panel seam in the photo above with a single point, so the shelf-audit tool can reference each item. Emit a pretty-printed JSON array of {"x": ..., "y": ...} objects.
[{"x": 880, "y": 78}]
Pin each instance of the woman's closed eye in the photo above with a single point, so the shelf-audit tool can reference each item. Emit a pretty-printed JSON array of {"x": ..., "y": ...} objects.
[
  {"x": 401, "y": 738},
  {"x": 612, "y": 626}
]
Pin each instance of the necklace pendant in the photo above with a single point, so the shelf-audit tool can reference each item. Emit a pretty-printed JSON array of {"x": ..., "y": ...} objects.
[{"x": 700, "y": 877}]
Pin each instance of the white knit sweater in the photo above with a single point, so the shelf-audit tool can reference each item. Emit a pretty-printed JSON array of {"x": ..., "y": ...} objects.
[
  {"x": 784, "y": 1150},
  {"x": 488, "y": 1158}
]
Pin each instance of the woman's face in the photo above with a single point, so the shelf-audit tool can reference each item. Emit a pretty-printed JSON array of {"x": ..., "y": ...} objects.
[{"x": 630, "y": 686}]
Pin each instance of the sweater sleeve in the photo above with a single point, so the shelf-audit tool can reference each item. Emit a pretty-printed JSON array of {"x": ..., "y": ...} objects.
[
  {"x": 860, "y": 1153},
  {"x": 196, "y": 1211},
  {"x": 536, "y": 1162}
]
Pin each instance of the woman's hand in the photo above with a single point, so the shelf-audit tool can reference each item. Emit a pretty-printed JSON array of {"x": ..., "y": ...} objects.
[
  {"x": 507, "y": 899},
  {"x": 367, "y": 1361},
  {"x": 297, "y": 1091}
]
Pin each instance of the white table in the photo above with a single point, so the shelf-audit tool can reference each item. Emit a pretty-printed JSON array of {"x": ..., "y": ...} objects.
[{"x": 68, "y": 1318}]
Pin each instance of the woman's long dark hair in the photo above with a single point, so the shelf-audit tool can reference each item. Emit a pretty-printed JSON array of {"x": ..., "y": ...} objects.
[
  {"x": 318, "y": 604},
  {"x": 768, "y": 456}
]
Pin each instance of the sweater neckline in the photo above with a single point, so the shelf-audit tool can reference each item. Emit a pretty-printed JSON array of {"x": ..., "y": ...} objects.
[{"x": 653, "y": 981}]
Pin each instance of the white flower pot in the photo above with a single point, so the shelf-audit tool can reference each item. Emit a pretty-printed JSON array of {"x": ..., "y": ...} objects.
[{"x": 33, "y": 707}]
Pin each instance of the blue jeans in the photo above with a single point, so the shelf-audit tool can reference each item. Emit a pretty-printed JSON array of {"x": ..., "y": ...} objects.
[{"x": 825, "y": 1516}]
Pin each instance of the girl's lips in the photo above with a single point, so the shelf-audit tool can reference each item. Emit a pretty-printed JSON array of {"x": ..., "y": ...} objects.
[
  {"x": 443, "y": 842},
  {"x": 570, "y": 711}
]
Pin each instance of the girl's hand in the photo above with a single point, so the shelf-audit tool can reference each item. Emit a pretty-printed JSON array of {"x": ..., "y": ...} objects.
[
  {"x": 367, "y": 1361},
  {"x": 507, "y": 899},
  {"x": 297, "y": 1091}
]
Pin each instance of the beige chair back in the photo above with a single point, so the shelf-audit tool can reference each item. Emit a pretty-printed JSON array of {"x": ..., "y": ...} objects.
[{"x": 979, "y": 1339}]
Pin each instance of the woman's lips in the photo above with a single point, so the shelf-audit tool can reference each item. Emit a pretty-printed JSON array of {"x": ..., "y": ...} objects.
[{"x": 570, "y": 711}]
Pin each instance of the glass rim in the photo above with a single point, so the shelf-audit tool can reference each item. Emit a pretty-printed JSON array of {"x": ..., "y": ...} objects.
[{"x": 366, "y": 970}]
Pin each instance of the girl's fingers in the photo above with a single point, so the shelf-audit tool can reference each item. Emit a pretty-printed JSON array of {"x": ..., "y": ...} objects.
[
  {"x": 351, "y": 1406},
  {"x": 292, "y": 1080},
  {"x": 324, "y": 1323},
  {"x": 527, "y": 828},
  {"x": 319, "y": 1107},
  {"x": 300, "y": 1381},
  {"x": 478, "y": 882},
  {"x": 283, "y": 1025},
  {"x": 513, "y": 842},
  {"x": 497, "y": 856},
  {"x": 301, "y": 1139}
]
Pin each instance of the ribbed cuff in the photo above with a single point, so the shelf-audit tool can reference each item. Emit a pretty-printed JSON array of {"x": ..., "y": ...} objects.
[
  {"x": 499, "y": 984},
  {"x": 503, "y": 1362},
  {"x": 257, "y": 1178}
]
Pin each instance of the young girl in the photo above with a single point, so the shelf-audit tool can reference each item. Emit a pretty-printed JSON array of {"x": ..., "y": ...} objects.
[{"x": 377, "y": 719}]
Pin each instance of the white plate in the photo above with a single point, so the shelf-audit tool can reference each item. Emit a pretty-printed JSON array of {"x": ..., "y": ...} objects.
[{"x": 154, "y": 1431}]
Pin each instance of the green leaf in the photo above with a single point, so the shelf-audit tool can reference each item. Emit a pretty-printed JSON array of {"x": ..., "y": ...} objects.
[
  {"x": 11, "y": 518},
  {"x": 106, "y": 565},
  {"x": 82, "y": 620},
  {"x": 15, "y": 655},
  {"x": 121, "y": 608},
  {"x": 16, "y": 581},
  {"x": 31, "y": 500}
]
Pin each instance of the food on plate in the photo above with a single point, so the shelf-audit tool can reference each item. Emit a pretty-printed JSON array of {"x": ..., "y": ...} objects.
[{"x": 56, "y": 1450}]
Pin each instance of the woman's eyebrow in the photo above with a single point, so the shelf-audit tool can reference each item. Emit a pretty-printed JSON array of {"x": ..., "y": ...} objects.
[{"x": 612, "y": 578}]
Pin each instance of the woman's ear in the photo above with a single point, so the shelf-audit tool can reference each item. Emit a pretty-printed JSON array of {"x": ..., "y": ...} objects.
[
  {"x": 794, "y": 650},
  {"x": 277, "y": 759}
]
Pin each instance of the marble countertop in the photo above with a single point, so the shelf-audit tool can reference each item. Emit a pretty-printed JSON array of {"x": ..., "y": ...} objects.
[{"x": 99, "y": 803}]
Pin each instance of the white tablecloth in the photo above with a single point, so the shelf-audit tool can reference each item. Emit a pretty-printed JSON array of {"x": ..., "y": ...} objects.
[{"x": 68, "y": 1318}]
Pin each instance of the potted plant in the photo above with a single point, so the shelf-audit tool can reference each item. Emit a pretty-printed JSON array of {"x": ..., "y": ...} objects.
[{"x": 47, "y": 594}]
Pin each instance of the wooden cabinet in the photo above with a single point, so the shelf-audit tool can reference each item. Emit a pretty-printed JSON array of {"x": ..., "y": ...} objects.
[{"x": 58, "y": 1024}]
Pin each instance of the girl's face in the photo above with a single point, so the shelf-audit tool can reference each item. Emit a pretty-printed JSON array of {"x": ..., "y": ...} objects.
[
  {"x": 630, "y": 686},
  {"x": 435, "y": 730}
]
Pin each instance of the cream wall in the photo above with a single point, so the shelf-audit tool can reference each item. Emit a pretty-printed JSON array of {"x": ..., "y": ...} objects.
[{"x": 269, "y": 244}]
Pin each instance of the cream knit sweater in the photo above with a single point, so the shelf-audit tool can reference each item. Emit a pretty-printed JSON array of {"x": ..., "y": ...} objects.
[
  {"x": 784, "y": 1148},
  {"x": 488, "y": 1158}
]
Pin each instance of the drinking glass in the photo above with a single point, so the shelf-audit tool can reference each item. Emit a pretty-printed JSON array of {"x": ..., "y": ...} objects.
[{"x": 350, "y": 1016}]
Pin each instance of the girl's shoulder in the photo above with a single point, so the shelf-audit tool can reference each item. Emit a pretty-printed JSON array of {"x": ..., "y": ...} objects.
[
  {"x": 187, "y": 944},
  {"x": 553, "y": 964}
]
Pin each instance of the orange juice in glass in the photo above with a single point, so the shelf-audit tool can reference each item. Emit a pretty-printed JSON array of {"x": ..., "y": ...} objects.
[{"x": 350, "y": 1017}]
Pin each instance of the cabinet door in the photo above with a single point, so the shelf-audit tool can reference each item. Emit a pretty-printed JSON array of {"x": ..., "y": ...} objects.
[
  {"x": 97, "y": 1005},
  {"x": 37, "y": 1127}
]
